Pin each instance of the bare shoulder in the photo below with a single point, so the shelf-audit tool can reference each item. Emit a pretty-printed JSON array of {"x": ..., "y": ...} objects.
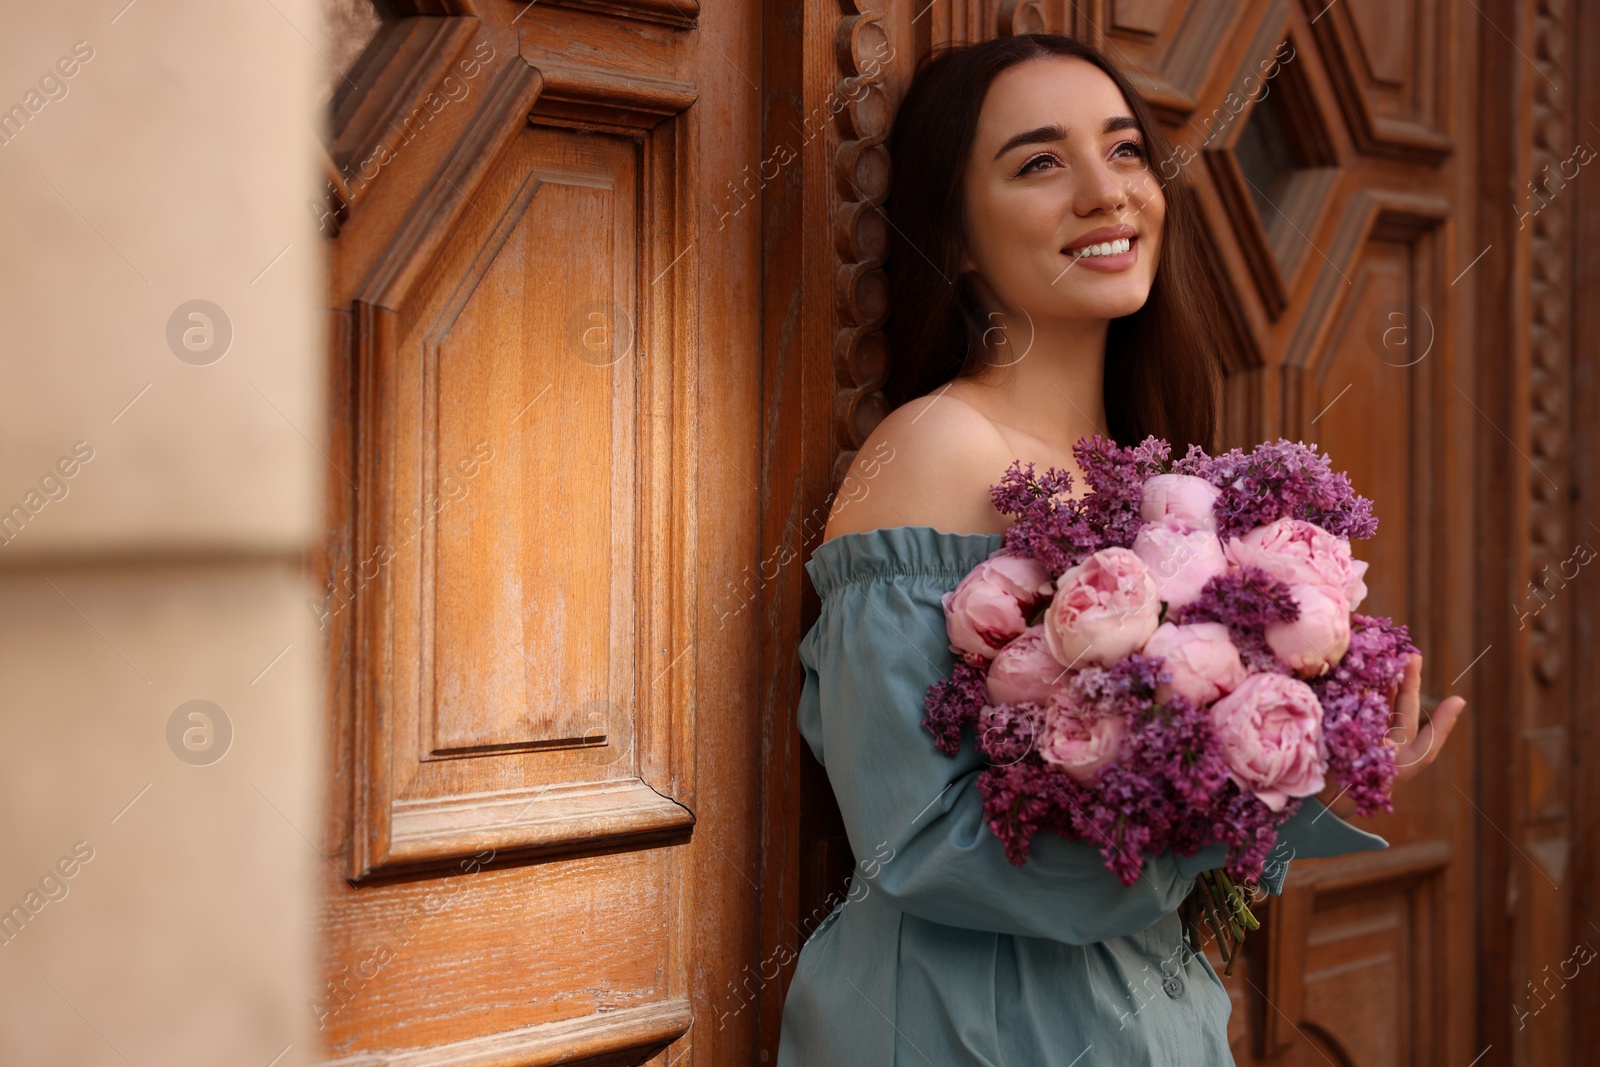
[{"x": 929, "y": 463}]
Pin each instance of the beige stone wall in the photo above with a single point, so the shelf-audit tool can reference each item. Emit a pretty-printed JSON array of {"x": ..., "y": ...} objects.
[{"x": 156, "y": 505}]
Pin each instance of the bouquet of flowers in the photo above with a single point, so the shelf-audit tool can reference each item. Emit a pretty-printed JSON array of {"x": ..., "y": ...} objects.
[{"x": 1173, "y": 659}]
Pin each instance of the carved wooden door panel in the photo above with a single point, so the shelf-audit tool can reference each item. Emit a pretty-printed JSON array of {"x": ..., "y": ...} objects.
[
  {"x": 1332, "y": 146},
  {"x": 543, "y": 395}
]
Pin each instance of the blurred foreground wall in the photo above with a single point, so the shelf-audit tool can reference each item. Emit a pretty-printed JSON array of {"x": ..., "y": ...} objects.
[{"x": 161, "y": 415}]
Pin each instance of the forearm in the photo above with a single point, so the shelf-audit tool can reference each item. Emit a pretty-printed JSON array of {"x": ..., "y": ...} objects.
[{"x": 950, "y": 868}]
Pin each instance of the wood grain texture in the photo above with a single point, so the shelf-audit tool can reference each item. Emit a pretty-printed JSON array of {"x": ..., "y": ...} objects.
[
  {"x": 1367, "y": 927},
  {"x": 677, "y": 13},
  {"x": 1584, "y": 629},
  {"x": 624, "y": 1037},
  {"x": 1552, "y": 543},
  {"x": 389, "y": 90},
  {"x": 521, "y": 526},
  {"x": 704, "y": 304},
  {"x": 1360, "y": 228},
  {"x": 1392, "y": 71},
  {"x": 515, "y": 658}
]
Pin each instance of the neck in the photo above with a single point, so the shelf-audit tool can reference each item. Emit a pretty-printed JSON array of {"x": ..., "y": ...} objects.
[{"x": 1056, "y": 390}]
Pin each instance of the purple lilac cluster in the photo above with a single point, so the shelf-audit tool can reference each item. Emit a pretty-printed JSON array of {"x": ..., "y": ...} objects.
[
  {"x": 1061, "y": 532},
  {"x": 951, "y": 704},
  {"x": 1168, "y": 790},
  {"x": 1008, "y": 732},
  {"x": 1022, "y": 799},
  {"x": 1355, "y": 709},
  {"x": 1168, "y": 772},
  {"x": 1280, "y": 479},
  {"x": 1250, "y": 830},
  {"x": 1170, "y": 787},
  {"x": 1246, "y": 600}
]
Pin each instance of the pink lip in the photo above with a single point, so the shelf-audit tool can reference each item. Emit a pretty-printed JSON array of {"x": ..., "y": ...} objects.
[
  {"x": 1107, "y": 264},
  {"x": 1101, "y": 235}
]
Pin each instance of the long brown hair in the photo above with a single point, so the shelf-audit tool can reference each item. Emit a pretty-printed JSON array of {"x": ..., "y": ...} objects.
[{"x": 1163, "y": 362}]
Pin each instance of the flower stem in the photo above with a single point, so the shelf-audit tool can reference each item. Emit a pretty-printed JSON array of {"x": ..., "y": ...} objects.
[{"x": 1220, "y": 893}]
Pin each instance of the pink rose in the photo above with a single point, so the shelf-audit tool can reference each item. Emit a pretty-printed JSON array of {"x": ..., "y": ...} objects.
[
  {"x": 1025, "y": 671},
  {"x": 1313, "y": 643},
  {"x": 1301, "y": 553},
  {"x": 1270, "y": 729},
  {"x": 989, "y": 608},
  {"x": 1201, "y": 658},
  {"x": 1182, "y": 556},
  {"x": 1080, "y": 744},
  {"x": 1179, "y": 496},
  {"x": 1104, "y": 608}
]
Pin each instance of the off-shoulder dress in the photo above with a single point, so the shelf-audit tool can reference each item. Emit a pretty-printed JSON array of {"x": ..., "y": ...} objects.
[{"x": 943, "y": 953}]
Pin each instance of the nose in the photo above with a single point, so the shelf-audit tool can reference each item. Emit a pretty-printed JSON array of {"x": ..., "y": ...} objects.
[{"x": 1102, "y": 190}]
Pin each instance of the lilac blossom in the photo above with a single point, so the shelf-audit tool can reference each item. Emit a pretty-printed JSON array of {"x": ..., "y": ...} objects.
[
  {"x": 953, "y": 703},
  {"x": 1246, "y": 600},
  {"x": 1277, "y": 480},
  {"x": 1061, "y": 532},
  {"x": 1008, "y": 732},
  {"x": 1162, "y": 793},
  {"x": 1169, "y": 788},
  {"x": 1355, "y": 709},
  {"x": 1022, "y": 799}
]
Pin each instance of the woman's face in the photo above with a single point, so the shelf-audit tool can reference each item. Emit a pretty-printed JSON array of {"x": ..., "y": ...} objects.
[{"x": 1058, "y": 163}]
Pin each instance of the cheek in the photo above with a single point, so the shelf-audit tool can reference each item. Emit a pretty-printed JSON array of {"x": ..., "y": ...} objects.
[
  {"x": 991, "y": 234},
  {"x": 1155, "y": 208},
  {"x": 1157, "y": 214}
]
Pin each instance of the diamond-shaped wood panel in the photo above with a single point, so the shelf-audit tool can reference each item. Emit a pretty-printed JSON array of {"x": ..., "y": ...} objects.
[
  {"x": 1171, "y": 49},
  {"x": 1389, "y": 63},
  {"x": 514, "y": 647},
  {"x": 1269, "y": 147}
]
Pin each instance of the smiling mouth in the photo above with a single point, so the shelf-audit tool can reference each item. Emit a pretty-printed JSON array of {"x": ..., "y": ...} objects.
[{"x": 1102, "y": 250}]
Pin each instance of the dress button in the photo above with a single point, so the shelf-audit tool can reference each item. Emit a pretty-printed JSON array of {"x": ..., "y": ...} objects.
[{"x": 1173, "y": 987}]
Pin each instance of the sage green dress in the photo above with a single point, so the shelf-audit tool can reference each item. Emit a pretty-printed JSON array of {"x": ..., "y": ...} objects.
[{"x": 943, "y": 953}]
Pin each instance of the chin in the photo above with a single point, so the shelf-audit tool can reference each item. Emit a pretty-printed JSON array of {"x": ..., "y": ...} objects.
[{"x": 1114, "y": 305}]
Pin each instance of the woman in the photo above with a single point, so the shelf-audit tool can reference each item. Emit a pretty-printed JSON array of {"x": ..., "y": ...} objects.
[{"x": 1011, "y": 157}]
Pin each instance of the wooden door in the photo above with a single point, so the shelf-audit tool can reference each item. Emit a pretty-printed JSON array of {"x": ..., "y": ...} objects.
[
  {"x": 542, "y": 837},
  {"x": 1334, "y": 149}
]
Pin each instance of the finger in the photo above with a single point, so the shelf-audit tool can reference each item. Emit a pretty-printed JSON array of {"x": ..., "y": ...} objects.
[
  {"x": 1409, "y": 703},
  {"x": 1405, "y": 706},
  {"x": 1446, "y": 715},
  {"x": 1411, "y": 680},
  {"x": 1394, "y": 690},
  {"x": 1416, "y": 754},
  {"x": 1430, "y": 740}
]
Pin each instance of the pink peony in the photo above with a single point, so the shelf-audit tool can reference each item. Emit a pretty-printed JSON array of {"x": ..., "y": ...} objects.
[
  {"x": 1201, "y": 658},
  {"x": 1080, "y": 744},
  {"x": 1270, "y": 730},
  {"x": 989, "y": 607},
  {"x": 1315, "y": 641},
  {"x": 1179, "y": 496},
  {"x": 1025, "y": 671},
  {"x": 1297, "y": 552},
  {"x": 1104, "y": 608},
  {"x": 1182, "y": 556}
]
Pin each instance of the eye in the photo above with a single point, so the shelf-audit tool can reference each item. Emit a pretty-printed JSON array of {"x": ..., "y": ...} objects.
[
  {"x": 1042, "y": 157},
  {"x": 1136, "y": 146}
]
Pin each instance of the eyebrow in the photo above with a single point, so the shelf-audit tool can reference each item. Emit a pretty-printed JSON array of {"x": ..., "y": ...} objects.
[{"x": 1046, "y": 134}]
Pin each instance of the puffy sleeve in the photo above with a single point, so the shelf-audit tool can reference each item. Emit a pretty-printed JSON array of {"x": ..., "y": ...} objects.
[
  {"x": 876, "y": 646},
  {"x": 1311, "y": 833}
]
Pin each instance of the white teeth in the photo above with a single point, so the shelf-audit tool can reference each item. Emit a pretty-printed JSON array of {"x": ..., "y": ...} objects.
[{"x": 1106, "y": 248}]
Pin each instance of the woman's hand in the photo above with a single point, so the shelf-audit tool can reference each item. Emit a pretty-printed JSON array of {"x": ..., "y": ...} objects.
[{"x": 1416, "y": 744}]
